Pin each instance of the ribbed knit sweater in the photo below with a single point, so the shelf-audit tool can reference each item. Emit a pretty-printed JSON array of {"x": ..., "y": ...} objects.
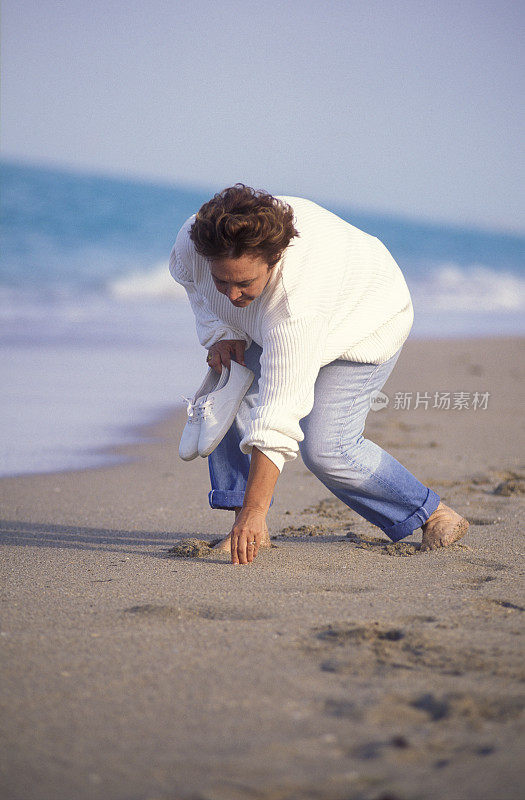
[{"x": 336, "y": 293}]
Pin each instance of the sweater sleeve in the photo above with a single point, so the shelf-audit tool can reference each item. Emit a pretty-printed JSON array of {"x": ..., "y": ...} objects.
[
  {"x": 210, "y": 329},
  {"x": 290, "y": 363}
]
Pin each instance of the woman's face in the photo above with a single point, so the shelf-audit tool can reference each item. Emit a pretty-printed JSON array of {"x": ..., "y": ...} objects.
[{"x": 240, "y": 279}]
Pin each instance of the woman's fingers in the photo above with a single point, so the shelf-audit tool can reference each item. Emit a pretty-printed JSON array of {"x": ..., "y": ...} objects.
[
  {"x": 214, "y": 362},
  {"x": 238, "y": 552},
  {"x": 217, "y": 356},
  {"x": 246, "y": 535},
  {"x": 239, "y": 348},
  {"x": 236, "y": 548},
  {"x": 241, "y": 550},
  {"x": 221, "y": 353},
  {"x": 225, "y": 352},
  {"x": 212, "y": 359},
  {"x": 235, "y": 557},
  {"x": 250, "y": 549},
  {"x": 225, "y": 356}
]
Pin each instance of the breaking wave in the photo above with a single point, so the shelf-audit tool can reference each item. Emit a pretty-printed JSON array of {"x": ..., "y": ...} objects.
[
  {"x": 155, "y": 283},
  {"x": 442, "y": 287},
  {"x": 470, "y": 289}
]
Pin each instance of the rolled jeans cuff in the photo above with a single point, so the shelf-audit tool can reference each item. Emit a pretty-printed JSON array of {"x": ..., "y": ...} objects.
[
  {"x": 223, "y": 498},
  {"x": 400, "y": 530},
  {"x": 226, "y": 499}
]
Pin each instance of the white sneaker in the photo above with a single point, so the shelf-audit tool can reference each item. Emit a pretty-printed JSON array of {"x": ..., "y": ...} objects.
[
  {"x": 221, "y": 405},
  {"x": 189, "y": 441}
]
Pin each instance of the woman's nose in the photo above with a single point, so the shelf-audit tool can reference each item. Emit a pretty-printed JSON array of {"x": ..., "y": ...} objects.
[{"x": 233, "y": 293}]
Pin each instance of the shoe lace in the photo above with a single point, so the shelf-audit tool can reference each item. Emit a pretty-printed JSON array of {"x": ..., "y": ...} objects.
[
  {"x": 205, "y": 408},
  {"x": 192, "y": 409},
  {"x": 198, "y": 409}
]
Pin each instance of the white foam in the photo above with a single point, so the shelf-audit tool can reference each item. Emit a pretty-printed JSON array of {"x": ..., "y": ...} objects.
[
  {"x": 156, "y": 282},
  {"x": 472, "y": 290},
  {"x": 448, "y": 286}
]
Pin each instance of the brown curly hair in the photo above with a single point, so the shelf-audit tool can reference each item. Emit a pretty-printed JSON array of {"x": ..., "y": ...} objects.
[{"x": 243, "y": 221}]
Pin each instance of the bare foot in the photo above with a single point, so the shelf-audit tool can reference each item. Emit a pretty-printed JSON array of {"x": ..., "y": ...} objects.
[{"x": 444, "y": 527}]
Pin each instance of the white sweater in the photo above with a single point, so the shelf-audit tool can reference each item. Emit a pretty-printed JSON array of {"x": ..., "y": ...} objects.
[{"x": 336, "y": 293}]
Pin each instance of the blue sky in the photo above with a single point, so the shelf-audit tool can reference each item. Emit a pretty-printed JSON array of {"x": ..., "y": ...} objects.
[{"x": 406, "y": 107}]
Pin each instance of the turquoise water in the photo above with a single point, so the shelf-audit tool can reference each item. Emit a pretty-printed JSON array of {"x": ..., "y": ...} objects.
[{"x": 96, "y": 338}]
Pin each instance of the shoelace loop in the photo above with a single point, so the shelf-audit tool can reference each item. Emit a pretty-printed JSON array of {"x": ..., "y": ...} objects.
[
  {"x": 198, "y": 409},
  {"x": 206, "y": 407}
]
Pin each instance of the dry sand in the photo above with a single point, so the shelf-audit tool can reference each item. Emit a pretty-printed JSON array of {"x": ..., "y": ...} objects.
[{"x": 335, "y": 667}]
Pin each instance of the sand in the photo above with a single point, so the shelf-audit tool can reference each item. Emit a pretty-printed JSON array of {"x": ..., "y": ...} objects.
[{"x": 337, "y": 666}]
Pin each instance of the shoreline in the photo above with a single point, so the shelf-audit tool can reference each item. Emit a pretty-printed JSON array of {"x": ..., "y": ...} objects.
[
  {"x": 134, "y": 435},
  {"x": 334, "y": 666}
]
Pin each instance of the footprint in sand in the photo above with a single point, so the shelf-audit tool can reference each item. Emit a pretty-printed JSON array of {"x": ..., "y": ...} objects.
[
  {"x": 152, "y": 612},
  {"x": 503, "y": 604},
  {"x": 332, "y": 508},
  {"x": 497, "y": 566},
  {"x": 468, "y": 707},
  {"x": 352, "y": 648},
  {"x": 383, "y": 546},
  {"x": 149, "y": 611},
  {"x": 332, "y": 588},
  {"x": 514, "y": 485},
  {"x": 303, "y": 530},
  {"x": 479, "y": 582},
  {"x": 234, "y": 614}
]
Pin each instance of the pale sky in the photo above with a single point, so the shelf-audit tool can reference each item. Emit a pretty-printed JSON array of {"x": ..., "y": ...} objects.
[{"x": 409, "y": 107}]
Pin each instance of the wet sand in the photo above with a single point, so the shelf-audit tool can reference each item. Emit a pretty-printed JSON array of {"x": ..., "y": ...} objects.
[{"x": 336, "y": 667}]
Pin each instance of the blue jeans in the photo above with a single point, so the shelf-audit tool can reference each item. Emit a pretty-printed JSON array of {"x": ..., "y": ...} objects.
[{"x": 357, "y": 471}]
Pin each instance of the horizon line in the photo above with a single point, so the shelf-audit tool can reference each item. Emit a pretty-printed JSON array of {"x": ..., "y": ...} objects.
[{"x": 154, "y": 181}]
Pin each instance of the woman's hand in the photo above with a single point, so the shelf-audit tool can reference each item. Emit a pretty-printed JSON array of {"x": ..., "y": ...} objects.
[
  {"x": 248, "y": 531},
  {"x": 222, "y": 352},
  {"x": 250, "y": 523}
]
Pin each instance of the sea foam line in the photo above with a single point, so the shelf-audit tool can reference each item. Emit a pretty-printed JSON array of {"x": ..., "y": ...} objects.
[
  {"x": 444, "y": 286},
  {"x": 471, "y": 289},
  {"x": 156, "y": 282}
]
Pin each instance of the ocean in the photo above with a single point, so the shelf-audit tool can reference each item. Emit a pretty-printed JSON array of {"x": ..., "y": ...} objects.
[{"x": 97, "y": 340}]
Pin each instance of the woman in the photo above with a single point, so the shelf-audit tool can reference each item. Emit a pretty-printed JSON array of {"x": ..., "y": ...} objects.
[{"x": 319, "y": 311}]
